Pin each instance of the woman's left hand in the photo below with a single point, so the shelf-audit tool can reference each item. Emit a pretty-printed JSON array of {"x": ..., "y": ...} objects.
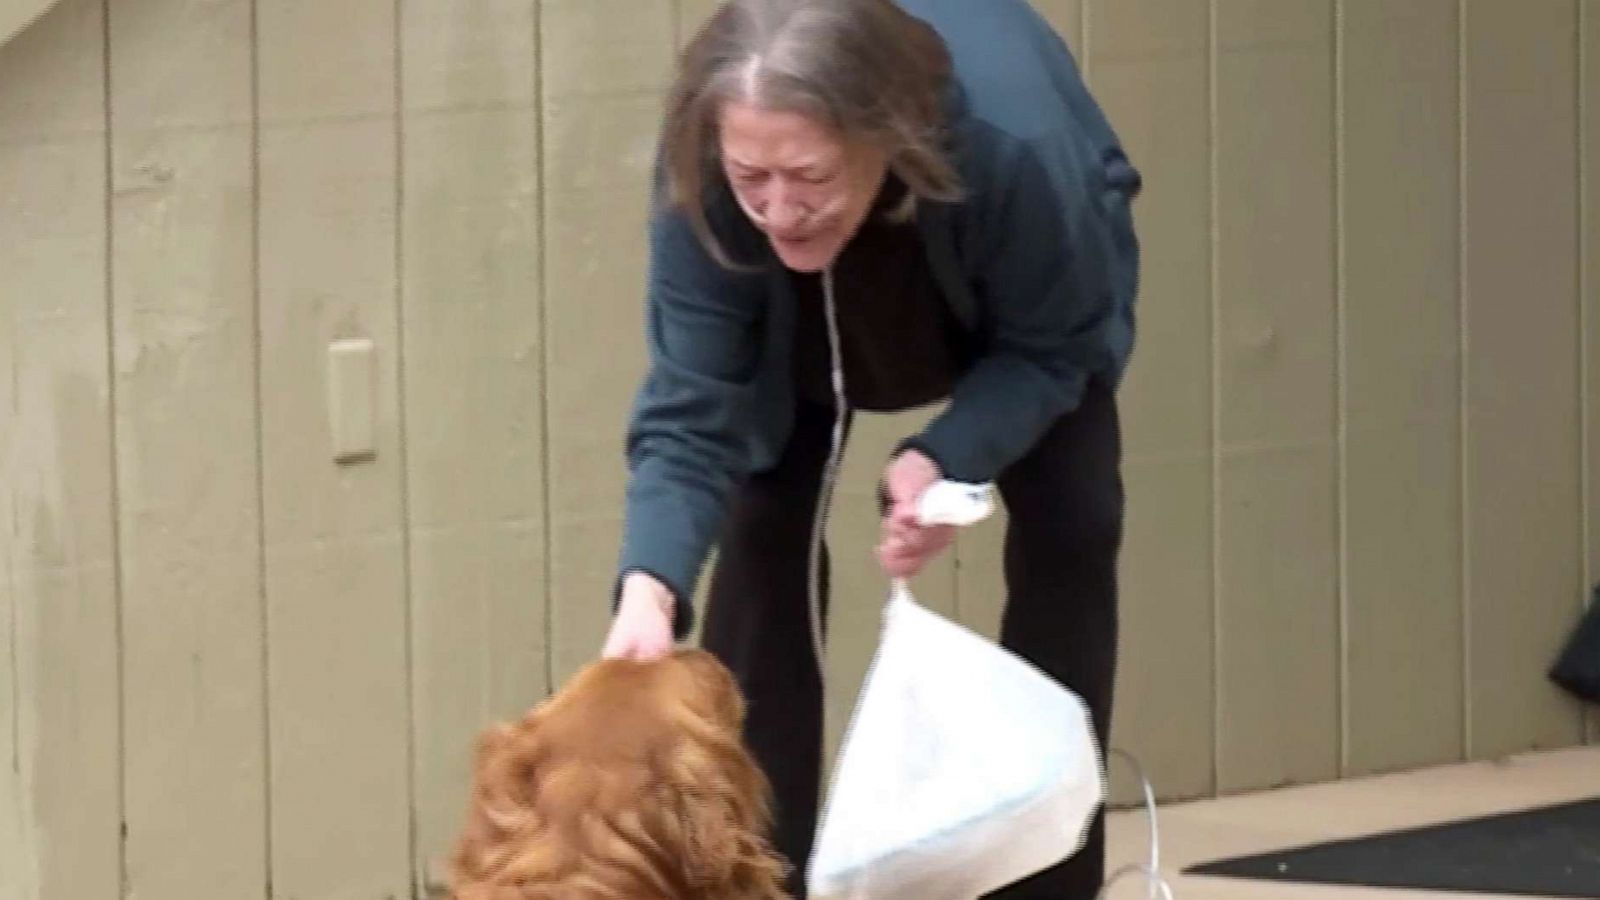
[{"x": 906, "y": 546}]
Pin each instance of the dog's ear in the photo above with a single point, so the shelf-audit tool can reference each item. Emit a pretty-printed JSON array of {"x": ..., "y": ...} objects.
[
  {"x": 500, "y": 812},
  {"x": 491, "y": 743},
  {"x": 726, "y": 854},
  {"x": 716, "y": 800}
]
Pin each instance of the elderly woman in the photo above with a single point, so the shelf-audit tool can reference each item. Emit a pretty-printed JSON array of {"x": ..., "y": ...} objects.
[{"x": 875, "y": 205}]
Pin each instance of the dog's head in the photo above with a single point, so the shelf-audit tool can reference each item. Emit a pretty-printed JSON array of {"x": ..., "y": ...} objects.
[{"x": 632, "y": 782}]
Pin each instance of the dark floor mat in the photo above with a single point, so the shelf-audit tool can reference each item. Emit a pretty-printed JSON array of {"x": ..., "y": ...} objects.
[{"x": 1547, "y": 852}]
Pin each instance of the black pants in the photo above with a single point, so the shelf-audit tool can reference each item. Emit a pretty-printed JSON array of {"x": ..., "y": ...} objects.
[{"x": 1064, "y": 502}]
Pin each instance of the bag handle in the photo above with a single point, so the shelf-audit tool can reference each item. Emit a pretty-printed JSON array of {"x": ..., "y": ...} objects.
[
  {"x": 947, "y": 502},
  {"x": 900, "y": 591}
]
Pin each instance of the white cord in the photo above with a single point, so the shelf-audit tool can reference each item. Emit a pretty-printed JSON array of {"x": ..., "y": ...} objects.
[
  {"x": 830, "y": 475},
  {"x": 1151, "y": 870}
]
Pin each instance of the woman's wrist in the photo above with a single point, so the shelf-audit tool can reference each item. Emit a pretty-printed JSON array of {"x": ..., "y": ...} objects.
[{"x": 642, "y": 586}]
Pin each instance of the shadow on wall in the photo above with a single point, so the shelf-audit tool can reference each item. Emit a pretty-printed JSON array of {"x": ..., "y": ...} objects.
[
  {"x": 16, "y": 15},
  {"x": 61, "y": 654}
]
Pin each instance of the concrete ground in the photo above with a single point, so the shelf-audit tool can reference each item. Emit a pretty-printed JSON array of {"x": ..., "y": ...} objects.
[{"x": 1206, "y": 830}]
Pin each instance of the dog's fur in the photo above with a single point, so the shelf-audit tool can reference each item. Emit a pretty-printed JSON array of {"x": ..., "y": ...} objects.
[{"x": 632, "y": 783}]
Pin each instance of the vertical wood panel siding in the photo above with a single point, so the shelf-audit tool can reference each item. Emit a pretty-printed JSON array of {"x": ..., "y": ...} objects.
[
  {"x": 1523, "y": 431},
  {"x": 1400, "y": 403},
  {"x": 1277, "y": 480},
  {"x": 338, "y": 684},
  {"x": 1589, "y": 177},
  {"x": 59, "y": 772},
  {"x": 473, "y": 379},
  {"x": 1151, "y": 67},
  {"x": 184, "y": 321},
  {"x": 605, "y": 67}
]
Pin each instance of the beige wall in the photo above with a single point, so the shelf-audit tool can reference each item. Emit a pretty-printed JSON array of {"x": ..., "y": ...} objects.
[{"x": 1358, "y": 427}]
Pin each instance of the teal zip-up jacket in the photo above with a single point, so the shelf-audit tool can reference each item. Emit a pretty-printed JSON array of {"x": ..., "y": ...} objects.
[{"x": 1038, "y": 261}]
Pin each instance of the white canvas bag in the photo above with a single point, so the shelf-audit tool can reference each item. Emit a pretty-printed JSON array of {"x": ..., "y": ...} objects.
[{"x": 964, "y": 768}]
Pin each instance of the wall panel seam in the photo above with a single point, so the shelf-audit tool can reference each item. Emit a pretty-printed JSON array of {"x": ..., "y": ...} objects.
[
  {"x": 13, "y": 662},
  {"x": 1462, "y": 379},
  {"x": 1584, "y": 361},
  {"x": 541, "y": 256},
  {"x": 113, "y": 455},
  {"x": 258, "y": 393},
  {"x": 1213, "y": 51},
  {"x": 1585, "y": 478},
  {"x": 12, "y": 758},
  {"x": 416, "y": 875},
  {"x": 1341, "y": 395}
]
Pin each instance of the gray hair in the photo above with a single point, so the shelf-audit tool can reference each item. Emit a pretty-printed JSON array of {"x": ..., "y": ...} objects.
[{"x": 865, "y": 68}]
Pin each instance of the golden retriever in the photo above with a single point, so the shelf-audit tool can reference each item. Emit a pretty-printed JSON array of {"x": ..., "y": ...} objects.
[{"x": 631, "y": 783}]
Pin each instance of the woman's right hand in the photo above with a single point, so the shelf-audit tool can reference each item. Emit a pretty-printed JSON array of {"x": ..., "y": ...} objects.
[{"x": 642, "y": 627}]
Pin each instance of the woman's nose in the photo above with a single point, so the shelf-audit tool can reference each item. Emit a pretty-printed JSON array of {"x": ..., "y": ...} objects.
[{"x": 783, "y": 209}]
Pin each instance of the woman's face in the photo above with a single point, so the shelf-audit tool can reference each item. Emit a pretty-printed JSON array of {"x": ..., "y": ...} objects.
[{"x": 801, "y": 183}]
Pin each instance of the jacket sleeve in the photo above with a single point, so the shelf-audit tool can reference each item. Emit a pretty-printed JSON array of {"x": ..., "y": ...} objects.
[
  {"x": 691, "y": 433},
  {"x": 1043, "y": 277}
]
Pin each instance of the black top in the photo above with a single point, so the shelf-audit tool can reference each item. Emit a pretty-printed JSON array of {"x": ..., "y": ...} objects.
[{"x": 901, "y": 341}]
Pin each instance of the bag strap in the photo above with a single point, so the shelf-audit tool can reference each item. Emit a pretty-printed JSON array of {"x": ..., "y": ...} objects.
[
  {"x": 900, "y": 591},
  {"x": 948, "y": 503}
]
